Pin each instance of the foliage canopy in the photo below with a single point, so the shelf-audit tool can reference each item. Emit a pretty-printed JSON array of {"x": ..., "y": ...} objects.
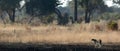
[{"x": 41, "y": 7}]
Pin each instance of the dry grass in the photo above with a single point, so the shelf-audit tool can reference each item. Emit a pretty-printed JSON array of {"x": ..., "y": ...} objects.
[{"x": 78, "y": 33}]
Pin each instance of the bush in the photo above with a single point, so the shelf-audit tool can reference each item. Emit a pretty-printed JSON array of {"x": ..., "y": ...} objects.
[
  {"x": 80, "y": 19},
  {"x": 47, "y": 19},
  {"x": 112, "y": 25},
  {"x": 64, "y": 19}
]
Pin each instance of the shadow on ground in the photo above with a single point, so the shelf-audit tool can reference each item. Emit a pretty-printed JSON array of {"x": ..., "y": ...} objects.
[{"x": 45, "y": 47}]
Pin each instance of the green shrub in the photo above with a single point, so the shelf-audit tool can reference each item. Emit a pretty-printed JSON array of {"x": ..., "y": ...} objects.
[{"x": 112, "y": 25}]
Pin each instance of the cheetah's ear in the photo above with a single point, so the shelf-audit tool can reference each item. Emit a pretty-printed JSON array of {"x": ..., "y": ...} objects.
[
  {"x": 100, "y": 41},
  {"x": 93, "y": 39}
]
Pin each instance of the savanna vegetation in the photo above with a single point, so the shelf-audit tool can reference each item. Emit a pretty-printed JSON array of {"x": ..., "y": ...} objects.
[{"x": 45, "y": 21}]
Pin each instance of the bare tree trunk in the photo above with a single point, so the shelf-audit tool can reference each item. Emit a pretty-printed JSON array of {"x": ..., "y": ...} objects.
[
  {"x": 86, "y": 16},
  {"x": 75, "y": 10},
  {"x": 89, "y": 16},
  {"x": 2, "y": 19},
  {"x": 87, "y": 12},
  {"x": 1, "y": 16},
  {"x": 30, "y": 20},
  {"x": 59, "y": 16},
  {"x": 11, "y": 14}
]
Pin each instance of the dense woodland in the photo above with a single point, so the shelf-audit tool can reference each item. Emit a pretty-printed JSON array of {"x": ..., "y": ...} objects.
[{"x": 48, "y": 11}]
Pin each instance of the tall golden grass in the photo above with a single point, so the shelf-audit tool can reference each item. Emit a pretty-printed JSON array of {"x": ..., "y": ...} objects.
[{"x": 55, "y": 34}]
